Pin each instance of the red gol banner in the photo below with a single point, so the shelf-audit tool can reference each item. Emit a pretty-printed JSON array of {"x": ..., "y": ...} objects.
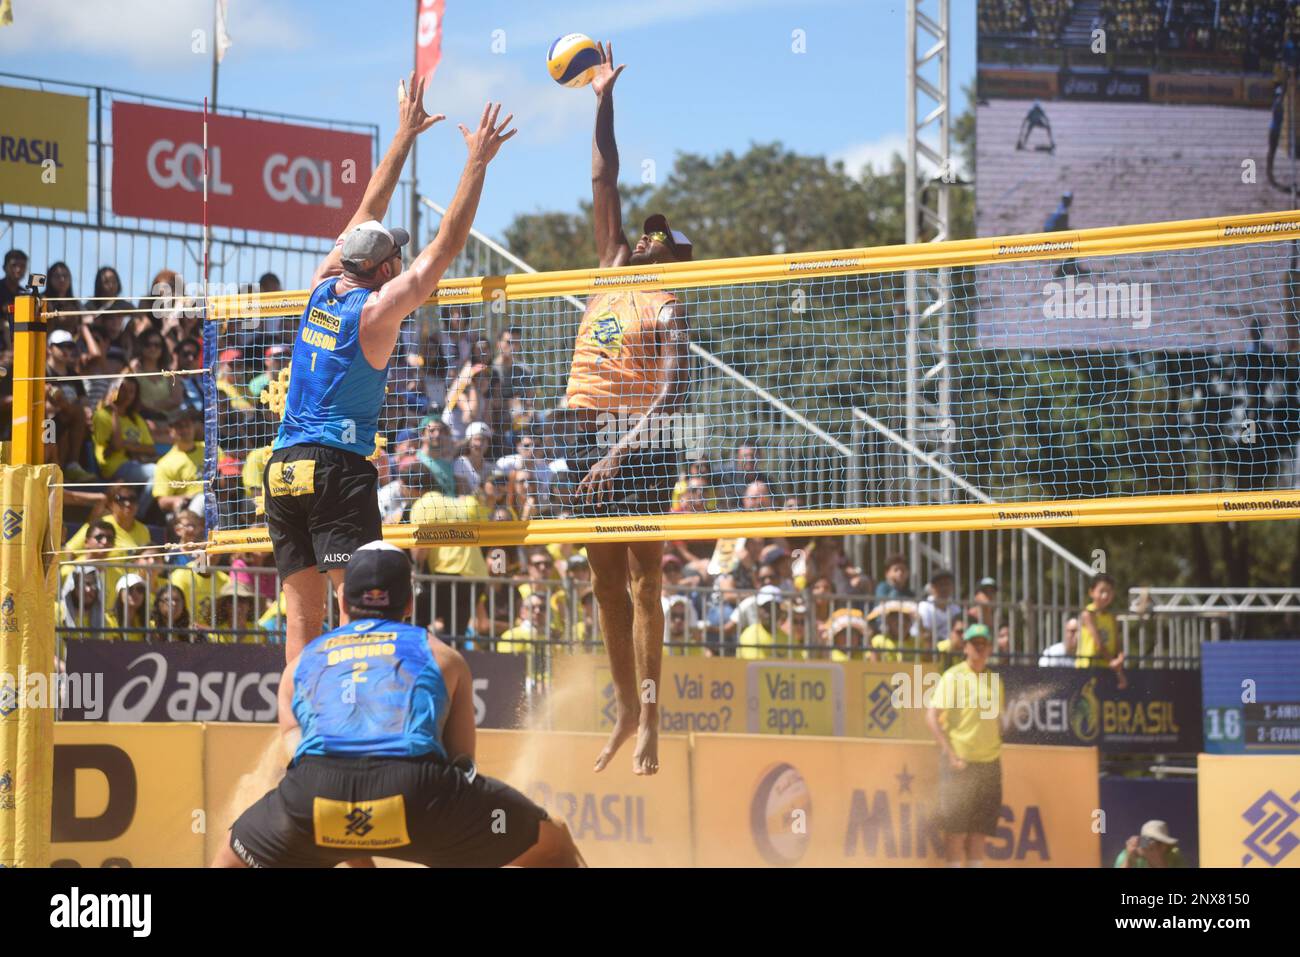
[
  {"x": 273, "y": 177},
  {"x": 428, "y": 38}
]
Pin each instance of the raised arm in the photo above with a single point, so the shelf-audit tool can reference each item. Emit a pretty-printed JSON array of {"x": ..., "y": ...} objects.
[
  {"x": 607, "y": 209},
  {"x": 412, "y": 120},
  {"x": 400, "y": 297}
]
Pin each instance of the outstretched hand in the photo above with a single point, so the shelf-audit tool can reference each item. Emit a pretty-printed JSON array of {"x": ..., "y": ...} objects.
[
  {"x": 484, "y": 142},
  {"x": 411, "y": 114},
  {"x": 606, "y": 75}
]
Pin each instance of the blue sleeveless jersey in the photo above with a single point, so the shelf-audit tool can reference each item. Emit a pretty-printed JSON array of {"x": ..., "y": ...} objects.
[
  {"x": 335, "y": 395},
  {"x": 370, "y": 688}
]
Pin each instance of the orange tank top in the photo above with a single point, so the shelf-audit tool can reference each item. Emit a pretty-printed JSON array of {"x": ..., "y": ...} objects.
[{"x": 616, "y": 357}]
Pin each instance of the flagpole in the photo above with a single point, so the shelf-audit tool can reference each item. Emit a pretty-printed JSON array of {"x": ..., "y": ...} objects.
[
  {"x": 414, "y": 215},
  {"x": 216, "y": 43}
]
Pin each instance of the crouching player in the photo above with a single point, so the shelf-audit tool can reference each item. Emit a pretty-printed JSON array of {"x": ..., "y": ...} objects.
[{"x": 379, "y": 717}]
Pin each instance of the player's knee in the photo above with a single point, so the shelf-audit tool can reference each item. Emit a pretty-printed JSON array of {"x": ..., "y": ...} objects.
[
  {"x": 556, "y": 843},
  {"x": 647, "y": 587},
  {"x": 608, "y": 591}
]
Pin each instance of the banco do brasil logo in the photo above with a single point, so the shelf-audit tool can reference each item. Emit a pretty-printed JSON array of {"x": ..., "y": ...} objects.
[
  {"x": 1274, "y": 836},
  {"x": 13, "y": 523}
]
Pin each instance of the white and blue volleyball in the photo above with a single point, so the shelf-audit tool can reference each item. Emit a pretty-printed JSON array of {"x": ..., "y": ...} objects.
[{"x": 572, "y": 59}]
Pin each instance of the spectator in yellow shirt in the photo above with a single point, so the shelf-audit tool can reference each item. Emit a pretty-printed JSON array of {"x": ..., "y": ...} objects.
[
  {"x": 895, "y": 641},
  {"x": 130, "y": 536},
  {"x": 201, "y": 585},
  {"x": 178, "y": 476},
  {"x": 124, "y": 445},
  {"x": 1099, "y": 631},
  {"x": 448, "y": 605},
  {"x": 237, "y": 611},
  {"x": 530, "y": 632},
  {"x": 763, "y": 638},
  {"x": 964, "y": 715}
]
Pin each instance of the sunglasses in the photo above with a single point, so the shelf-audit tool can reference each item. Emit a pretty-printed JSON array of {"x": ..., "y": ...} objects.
[
  {"x": 658, "y": 236},
  {"x": 126, "y": 500},
  {"x": 99, "y": 537},
  {"x": 541, "y": 564}
]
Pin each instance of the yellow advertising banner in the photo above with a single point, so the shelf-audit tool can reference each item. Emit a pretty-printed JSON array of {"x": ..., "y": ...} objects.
[
  {"x": 711, "y": 695},
  {"x": 128, "y": 795},
  {"x": 43, "y": 148},
  {"x": 1249, "y": 809},
  {"x": 241, "y": 762},
  {"x": 617, "y": 818},
  {"x": 758, "y": 801}
]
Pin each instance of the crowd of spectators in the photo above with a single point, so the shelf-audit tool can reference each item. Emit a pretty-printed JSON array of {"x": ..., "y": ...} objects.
[
  {"x": 1036, "y": 20},
  {"x": 464, "y": 439}
]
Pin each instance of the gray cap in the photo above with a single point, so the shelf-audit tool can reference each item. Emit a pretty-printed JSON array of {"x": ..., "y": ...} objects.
[{"x": 371, "y": 244}]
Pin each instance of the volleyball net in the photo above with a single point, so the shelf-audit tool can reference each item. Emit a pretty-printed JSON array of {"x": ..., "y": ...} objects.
[{"x": 1118, "y": 375}]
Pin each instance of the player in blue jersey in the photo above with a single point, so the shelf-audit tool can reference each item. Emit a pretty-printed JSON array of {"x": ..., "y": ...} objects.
[
  {"x": 321, "y": 492},
  {"x": 379, "y": 718}
]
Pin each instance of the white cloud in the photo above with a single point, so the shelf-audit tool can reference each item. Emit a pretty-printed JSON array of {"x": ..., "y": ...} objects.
[
  {"x": 149, "y": 33},
  {"x": 544, "y": 111},
  {"x": 877, "y": 154}
]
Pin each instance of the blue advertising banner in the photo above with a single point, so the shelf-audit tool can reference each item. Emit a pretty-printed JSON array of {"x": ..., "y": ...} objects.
[
  {"x": 1251, "y": 696},
  {"x": 1130, "y": 802},
  {"x": 137, "y": 681},
  {"x": 1159, "y": 711}
]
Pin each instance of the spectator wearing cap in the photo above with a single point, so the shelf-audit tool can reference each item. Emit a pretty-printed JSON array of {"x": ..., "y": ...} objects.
[
  {"x": 237, "y": 612},
  {"x": 937, "y": 611},
  {"x": 895, "y": 638},
  {"x": 765, "y": 638},
  {"x": 124, "y": 446},
  {"x": 66, "y": 403},
  {"x": 1061, "y": 654},
  {"x": 1153, "y": 846},
  {"x": 437, "y": 455},
  {"x": 274, "y": 358},
  {"x": 964, "y": 717},
  {"x": 178, "y": 476},
  {"x": 473, "y": 464},
  {"x": 898, "y": 574},
  {"x": 128, "y": 620},
  {"x": 746, "y": 612}
]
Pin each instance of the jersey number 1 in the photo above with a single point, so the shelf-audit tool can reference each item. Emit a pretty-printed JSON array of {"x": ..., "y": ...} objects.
[{"x": 313, "y": 362}]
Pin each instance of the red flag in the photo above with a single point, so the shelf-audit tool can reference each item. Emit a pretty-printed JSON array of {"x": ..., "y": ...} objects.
[{"x": 428, "y": 37}]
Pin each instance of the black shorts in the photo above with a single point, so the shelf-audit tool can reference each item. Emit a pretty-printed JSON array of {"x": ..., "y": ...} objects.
[
  {"x": 322, "y": 504},
  {"x": 970, "y": 800},
  {"x": 644, "y": 483},
  {"x": 327, "y": 810}
]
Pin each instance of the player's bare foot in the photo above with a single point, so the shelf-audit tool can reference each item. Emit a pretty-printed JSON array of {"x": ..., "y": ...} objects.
[
  {"x": 645, "y": 759},
  {"x": 624, "y": 727}
]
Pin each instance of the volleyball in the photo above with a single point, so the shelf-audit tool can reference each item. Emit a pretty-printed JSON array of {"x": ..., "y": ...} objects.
[{"x": 572, "y": 59}]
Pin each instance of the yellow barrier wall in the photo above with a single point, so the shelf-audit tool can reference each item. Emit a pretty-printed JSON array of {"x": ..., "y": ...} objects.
[
  {"x": 617, "y": 818},
  {"x": 158, "y": 795},
  {"x": 31, "y": 516},
  {"x": 711, "y": 695},
  {"x": 844, "y": 803},
  {"x": 128, "y": 795},
  {"x": 1249, "y": 810}
]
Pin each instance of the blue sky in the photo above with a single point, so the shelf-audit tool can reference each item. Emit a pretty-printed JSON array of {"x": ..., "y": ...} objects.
[{"x": 703, "y": 75}]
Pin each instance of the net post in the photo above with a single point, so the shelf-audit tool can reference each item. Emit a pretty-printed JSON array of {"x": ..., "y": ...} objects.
[{"x": 29, "y": 382}]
